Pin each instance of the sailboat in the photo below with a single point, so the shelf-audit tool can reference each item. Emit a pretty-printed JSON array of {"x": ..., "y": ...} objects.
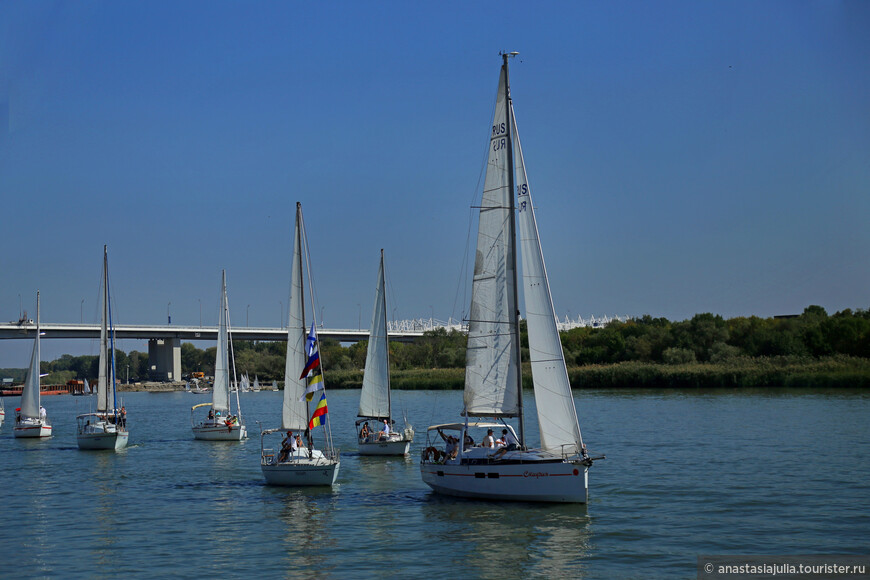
[
  {"x": 30, "y": 418},
  {"x": 374, "y": 400},
  {"x": 558, "y": 470},
  {"x": 256, "y": 387},
  {"x": 221, "y": 424},
  {"x": 295, "y": 464},
  {"x": 107, "y": 427},
  {"x": 274, "y": 385}
]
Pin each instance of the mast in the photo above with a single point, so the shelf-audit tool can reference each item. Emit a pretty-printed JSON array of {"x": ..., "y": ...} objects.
[
  {"x": 387, "y": 341},
  {"x": 513, "y": 235},
  {"x": 304, "y": 249},
  {"x": 111, "y": 335}
]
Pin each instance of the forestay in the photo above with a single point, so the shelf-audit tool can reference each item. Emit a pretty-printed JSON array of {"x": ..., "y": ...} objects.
[
  {"x": 491, "y": 369},
  {"x": 105, "y": 378},
  {"x": 374, "y": 399},
  {"x": 557, "y": 416}
]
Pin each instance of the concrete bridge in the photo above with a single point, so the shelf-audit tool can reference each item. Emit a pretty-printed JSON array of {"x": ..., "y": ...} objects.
[{"x": 164, "y": 341}]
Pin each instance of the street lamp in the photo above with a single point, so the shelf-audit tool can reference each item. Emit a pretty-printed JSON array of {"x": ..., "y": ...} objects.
[
  {"x": 82, "y": 311},
  {"x": 359, "y": 318},
  {"x": 321, "y": 316},
  {"x": 200, "y": 312},
  {"x": 247, "y": 312},
  {"x": 168, "y": 317},
  {"x": 281, "y": 320}
]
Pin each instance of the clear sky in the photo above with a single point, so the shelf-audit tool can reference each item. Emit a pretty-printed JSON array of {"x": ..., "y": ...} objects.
[{"x": 685, "y": 157}]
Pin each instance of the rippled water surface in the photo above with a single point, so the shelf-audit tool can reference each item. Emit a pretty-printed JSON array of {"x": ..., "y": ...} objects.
[{"x": 752, "y": 472}]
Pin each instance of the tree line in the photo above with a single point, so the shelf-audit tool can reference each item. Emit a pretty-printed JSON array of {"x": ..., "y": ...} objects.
[{"x": 703, "y": 339}]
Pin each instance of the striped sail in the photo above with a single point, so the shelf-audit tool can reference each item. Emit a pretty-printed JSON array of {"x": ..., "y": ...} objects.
[
  {"x": 491, "y": 369},
  {"x": 295, "y": 412},
  {"x": 557, "y": 416},
  {"x": 374, "y": 401}
]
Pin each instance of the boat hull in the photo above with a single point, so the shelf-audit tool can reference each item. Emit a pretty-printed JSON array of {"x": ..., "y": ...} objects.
[
  {"x": 535, "y": 481},
  {"x": 31, "y": 430},
  {"x": 110, "y": 440},
  {"x": 301, "y": 472},
  {"x": 220, "y": 432},
  {"x": 395, "y": 447}
]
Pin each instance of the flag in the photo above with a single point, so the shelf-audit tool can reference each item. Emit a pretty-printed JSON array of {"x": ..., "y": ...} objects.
[
  {"x": 319, "y": 414},
  {"x": 313, "y": 354},
  {"x": 315, "y": 383}
]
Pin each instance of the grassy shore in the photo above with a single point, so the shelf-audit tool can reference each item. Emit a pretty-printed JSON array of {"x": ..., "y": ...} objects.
[{"x": 833, "y": 372}]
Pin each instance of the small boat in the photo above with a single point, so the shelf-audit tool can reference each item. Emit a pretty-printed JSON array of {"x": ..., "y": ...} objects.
[
  {"x": 256, "y": 387},
  {"x": 375, "y": 403},
  {"x": 298, "y": 463},
  {"x": 558, "y": 470},
  {"x": 31, "y": 419},
  {"x": 107, "y": 427},
  {"x": 2, "y": 412},
  {"x": 274, "y": 385},
  {"x": 221, "y": 424}
]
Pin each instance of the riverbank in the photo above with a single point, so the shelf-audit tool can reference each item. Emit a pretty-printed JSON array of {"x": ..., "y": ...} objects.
[{"x": 832, "y": 372}]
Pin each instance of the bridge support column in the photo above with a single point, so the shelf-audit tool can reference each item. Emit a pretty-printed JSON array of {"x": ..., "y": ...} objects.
[{"x": 164, "y": 359}]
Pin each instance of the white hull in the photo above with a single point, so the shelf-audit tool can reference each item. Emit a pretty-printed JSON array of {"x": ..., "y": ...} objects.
[
  {"x": 299, "y": 470},
  {"x": 537, "y": 481},
  {"x": 394, "y": 447},
  {"x": 116, "y": 440},
  {"x": 220, "y": 432},
  {"x": 31, "y": 430}
]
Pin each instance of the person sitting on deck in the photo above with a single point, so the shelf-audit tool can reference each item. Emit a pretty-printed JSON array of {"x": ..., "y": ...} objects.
[
  {"x": 452, "y": 445},
  {"x": 386, "y": 432},
  {"x": 511, "y": 444},
  {"x": 488, "y": 441},
  {"x": 211, "y": 414},
  {"x": 364, "y": 433},
  {"x": 288, "y": 446}
]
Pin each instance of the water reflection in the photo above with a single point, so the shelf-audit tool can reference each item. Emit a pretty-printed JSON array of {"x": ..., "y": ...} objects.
[
  {"x": 490, "y": 540},
  {"x": 307, "y": 518}
]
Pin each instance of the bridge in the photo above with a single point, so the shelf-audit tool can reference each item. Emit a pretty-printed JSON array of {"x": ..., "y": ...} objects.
[{"x": 164, "y": 341}]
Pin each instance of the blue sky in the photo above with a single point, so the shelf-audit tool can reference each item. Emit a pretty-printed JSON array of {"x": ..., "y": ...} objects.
[{"x": 685, "y": 157}]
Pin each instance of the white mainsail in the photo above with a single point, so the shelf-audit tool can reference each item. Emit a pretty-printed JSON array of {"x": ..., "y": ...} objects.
[
  {"x": 557, "y": 416},
  {"x": 374, "y": 401},
  {"x": 221, "y": 391},
  {"x": 30, "y": 392},
  {"x": 106, "y": 381},
  {"x": 295, "y": 412},
  {"x": 491, "y": 367}
]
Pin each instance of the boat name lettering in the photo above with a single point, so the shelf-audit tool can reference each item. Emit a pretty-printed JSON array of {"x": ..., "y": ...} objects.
[{"x": 535, "y": 474}]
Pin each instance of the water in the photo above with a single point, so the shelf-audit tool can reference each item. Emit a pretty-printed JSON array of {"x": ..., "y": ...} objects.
[{"x": 762, "y": 472}]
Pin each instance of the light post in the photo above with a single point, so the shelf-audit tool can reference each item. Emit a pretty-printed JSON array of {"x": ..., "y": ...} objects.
[
  {"x": 247, "y": 312},
  {"x": 200, "y": 312},
  {"x": 321, "y": 316},
  {"x": 168, "y": 317},
  {"x": 82, "y": 311},
  {"x": 359, "y": 318},
  {"x": 281, "y": 320}
]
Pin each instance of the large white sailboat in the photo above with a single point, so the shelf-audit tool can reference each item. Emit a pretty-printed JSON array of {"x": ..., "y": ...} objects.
[
  {"x": 375, "y": 402},
  {"x": 31, "y": 419},
  {"x": 299, "y": 463},
  {"x": 558, "y": 470},
  {"x": 107, "y": 427},
  {"x": 221, "y": 424}
]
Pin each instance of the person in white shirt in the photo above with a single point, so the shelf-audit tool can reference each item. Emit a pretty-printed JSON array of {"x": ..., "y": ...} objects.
[{"x": 488, "y": 441}]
